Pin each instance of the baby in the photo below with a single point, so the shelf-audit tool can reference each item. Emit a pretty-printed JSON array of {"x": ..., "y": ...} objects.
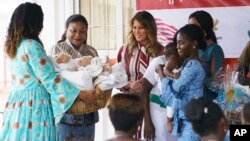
[
  {"x": 172, "y": 68},
  {"x": 173, "y": 62}
]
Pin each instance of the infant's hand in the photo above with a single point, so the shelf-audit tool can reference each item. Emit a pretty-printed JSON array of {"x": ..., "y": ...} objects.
[
  {"x": 168, "y": 73},
  {"x": 169, "y": 127},
  {"x": 159, "y": 68},
  {"x": 177, "y": 75}
]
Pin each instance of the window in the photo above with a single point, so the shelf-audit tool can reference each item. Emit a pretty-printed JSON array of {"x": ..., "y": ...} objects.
[
  {"x": 108, "y": 28},
  {"x": 108, "y": 23}
]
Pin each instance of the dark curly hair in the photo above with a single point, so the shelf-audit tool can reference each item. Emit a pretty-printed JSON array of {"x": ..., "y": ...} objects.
[{"x": 26, "y": 22}]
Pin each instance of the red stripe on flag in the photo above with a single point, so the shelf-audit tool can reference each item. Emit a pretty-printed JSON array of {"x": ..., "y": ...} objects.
[
  {"x": 177, "y": 4},
  {"x": 165, "y": 32}
]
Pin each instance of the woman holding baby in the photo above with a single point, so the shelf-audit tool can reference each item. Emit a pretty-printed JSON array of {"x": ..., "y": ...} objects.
[
  {"x": 177, "y": 92},
  {"x": 73, "y": 43}
]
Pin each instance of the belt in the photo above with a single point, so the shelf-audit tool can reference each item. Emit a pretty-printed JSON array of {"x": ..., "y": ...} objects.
[{"x": 156, "y": 99}]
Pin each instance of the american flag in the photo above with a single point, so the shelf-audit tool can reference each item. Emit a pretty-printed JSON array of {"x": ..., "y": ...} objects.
[{"x": 165, "y": 32}]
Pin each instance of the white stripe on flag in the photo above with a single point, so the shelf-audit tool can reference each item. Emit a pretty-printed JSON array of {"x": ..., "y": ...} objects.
[{"x": 165, "y": 32}]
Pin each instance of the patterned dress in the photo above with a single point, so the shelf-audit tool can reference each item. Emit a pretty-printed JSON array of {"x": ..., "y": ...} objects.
[
  {"x": 212, "y": 59},
  {"x": 39, "y": 97},
  {"x": 135, "y": 66},
  {"x": 137, "y": 63},
  {"x": 177, "y": 92}
]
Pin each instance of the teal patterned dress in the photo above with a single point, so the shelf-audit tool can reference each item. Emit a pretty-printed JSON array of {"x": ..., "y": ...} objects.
[
  {"x": 39, "y": 97},
  {"x": 212, "y": 59}
]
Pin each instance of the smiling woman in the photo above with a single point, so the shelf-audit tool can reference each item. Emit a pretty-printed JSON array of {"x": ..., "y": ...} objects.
[{"x": 142, "y": 46}]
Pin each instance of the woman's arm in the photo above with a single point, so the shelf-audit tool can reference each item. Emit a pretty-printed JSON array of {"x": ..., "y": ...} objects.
[
  {"x": 217, "y": 62},
  {"x": 149, "y": 130},
  {"x": 62, "y": 92},
  {"x": 242, "y": 77},
  {"x": 148, "y": 82},
  {"x": 175, "y": 91},
  {"x": 243, "y": 65},
  {"x": 189, "y": 72}
]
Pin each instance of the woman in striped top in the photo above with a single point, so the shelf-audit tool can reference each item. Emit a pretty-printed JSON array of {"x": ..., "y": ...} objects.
[{"x": 141, "y": 48}]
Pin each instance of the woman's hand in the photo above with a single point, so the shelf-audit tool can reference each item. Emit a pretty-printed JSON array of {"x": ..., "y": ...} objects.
[
  {"x": 149, "y": 130},
  {"x": 135, "y": 86},
  {"x": 87, "y": 96},
  {"x": 126, "y": 87},
  {"x": 132, "y": 87}
]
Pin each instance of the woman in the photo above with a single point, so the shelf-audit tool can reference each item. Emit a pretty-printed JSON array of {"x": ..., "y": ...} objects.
[
  {"x": 141, "y": 48},
  {"x": 39, "y": 97},
  {"x": 212, "y": 57},
  {"x": 245, "y": 114},
  {"x": 207, "y": 119},
  {"x": 243, "y": 66},
  {"x": 177, "y": 92},
  {"x": 73, "y": 43},
  {"x": 125, "y": 110}
]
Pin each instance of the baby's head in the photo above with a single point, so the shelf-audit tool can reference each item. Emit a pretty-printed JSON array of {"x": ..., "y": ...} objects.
[
  {"x": 170, "y": 49},
  {"x": 62, "y": 58},
  {"x": 84, "y": 61},
  {"x": 173, "y": 62},
  {"x": 245, "y": 114},
  {"x": 172, "y": 56}
]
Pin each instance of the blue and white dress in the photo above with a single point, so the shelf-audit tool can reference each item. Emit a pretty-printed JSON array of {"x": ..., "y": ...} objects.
[
  {"x": 177, "y": 92},
  {"x": 39, "y": 97}
]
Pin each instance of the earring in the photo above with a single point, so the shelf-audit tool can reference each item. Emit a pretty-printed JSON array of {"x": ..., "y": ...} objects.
[
  {"x": 193, "y": 46},
  {"x": 225, "y": 130}
]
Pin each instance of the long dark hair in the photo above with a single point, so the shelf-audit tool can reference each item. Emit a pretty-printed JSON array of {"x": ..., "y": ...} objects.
[
  {"x": 26, "y": 22},
  {"x": 206, "y": 22},
  {"x": 74, "y": 18}
]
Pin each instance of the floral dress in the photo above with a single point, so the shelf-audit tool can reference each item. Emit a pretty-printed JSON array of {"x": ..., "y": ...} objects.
[
  {"x": 39, "y": 97},
  {"x": 176, "y": 93}
]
